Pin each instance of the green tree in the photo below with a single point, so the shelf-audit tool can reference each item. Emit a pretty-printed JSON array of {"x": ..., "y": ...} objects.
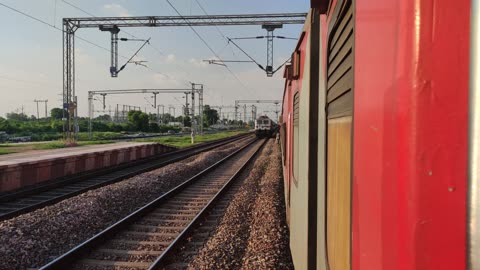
[
  {"x": 105, "y": 118},
  {"x": 153, "y": 127},
  {"x": 57, "y": 113},
  {"x": 17, "y": 116},
  {"x": 4, "y": 125},
  {"x": 210, "y": 116},
  {"x": 139, "y": 120}
]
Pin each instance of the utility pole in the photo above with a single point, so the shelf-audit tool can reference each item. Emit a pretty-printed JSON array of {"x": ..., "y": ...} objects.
[
  {"x": 158, "y": 114},
  {"x": 155, "y": 99},
  {"x": 37, "y": 101},
  {"x": 46, "y": 109},
  {"x": 38, "y": 113},
  {"x": 244, "y": 113},
  {"x": 194, "y": 121},
  {"x": 169, "y": 110},
  {"x": 186, "y": 104}
]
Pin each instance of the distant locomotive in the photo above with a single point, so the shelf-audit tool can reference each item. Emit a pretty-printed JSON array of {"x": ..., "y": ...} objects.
[{"x": 264, "y": 127}]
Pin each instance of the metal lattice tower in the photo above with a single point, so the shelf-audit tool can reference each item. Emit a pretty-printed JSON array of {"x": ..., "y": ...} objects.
[{"x": 270, "y": 28}]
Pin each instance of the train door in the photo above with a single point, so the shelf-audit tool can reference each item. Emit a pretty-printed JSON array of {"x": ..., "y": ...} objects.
[{"x": 339, "y": 114}]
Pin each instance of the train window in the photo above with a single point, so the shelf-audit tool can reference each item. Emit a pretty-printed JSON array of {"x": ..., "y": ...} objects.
[{"x": 296, "y": 123}]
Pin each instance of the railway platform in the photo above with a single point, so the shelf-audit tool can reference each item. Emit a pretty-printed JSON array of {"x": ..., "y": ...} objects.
[{"x": 29, "y": 168}]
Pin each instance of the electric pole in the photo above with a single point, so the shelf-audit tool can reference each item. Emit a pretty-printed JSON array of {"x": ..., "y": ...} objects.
[{"x": 38, "y": 113}]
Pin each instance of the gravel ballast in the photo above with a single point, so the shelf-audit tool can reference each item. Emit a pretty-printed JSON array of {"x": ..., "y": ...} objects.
[
  {"x": 33, "y": 239},
  {"x": 253, "y": 233}
]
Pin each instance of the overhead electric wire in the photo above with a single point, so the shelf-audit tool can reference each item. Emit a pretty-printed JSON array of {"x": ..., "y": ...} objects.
[
  {"x": 55, "y": 27},
  {"x": 251, "y": 58},
  {"x": 206, "y": 44},
  {"x": 188, "y": 82},
  {"x": 218, "y": 29},
  {"x": 130, "y": 59},
  {"x": 259, "y": 37},
  {"x": 133, "y": 36}
]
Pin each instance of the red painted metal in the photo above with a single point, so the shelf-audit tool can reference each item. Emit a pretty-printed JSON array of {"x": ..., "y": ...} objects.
[
  {"x": 292, "y": 87},
  {"x": 410, "y": 131}
]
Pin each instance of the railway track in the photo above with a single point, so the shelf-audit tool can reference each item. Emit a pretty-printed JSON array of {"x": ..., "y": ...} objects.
[
  {"x": 143, "y": 239},
  {"x": 14, "y": 204}
]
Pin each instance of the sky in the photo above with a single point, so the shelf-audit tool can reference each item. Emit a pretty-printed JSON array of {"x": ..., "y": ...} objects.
[{"x": 31, "y": 54}]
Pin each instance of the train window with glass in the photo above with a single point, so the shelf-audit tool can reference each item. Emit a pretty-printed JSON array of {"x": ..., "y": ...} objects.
[{"x": 296, "y": 124}]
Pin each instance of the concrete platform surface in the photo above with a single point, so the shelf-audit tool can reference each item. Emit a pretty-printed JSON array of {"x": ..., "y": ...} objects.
[
  {"x": 30, "y": 168},
  {"x": 37, "y": 155}
]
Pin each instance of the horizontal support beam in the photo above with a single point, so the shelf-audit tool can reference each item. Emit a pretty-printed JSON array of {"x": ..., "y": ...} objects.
[
  {"x": 258, "y": 101},
  {"x": 140, "y": 91},
  {"x": 196, "y": 20}
]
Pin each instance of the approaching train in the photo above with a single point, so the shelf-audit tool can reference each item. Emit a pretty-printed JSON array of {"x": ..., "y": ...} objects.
[
  {"x": 265, "y": 127},
  {"x": 375, "y": 136}
]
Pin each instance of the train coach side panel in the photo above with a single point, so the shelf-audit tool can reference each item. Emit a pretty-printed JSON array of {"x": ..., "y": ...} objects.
[
  {"x": 410, "y": 135},
  {"x": 299, "y": 165}
]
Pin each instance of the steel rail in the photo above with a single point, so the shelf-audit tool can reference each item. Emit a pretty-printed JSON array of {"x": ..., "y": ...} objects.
[
  {"x": 160, "y": 261},
  {"x": 72, "y": 187},
  {"x": 66, "y": 260}
]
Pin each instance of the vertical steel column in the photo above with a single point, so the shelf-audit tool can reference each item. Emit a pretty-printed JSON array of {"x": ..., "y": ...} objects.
[
  {"x": 46, "y": 109},
  {"x": 244, "y": 113},
  {"x": 187, "y": 112},
  {"x": 236, "y": 110},
  {"x": 270, "y": 29},
  {"x": 114, "y": 54},
  {"x": 473, "y": 219},
  {"x": 194, "y": 122},
  {"x": 155, "y": 99},
  {"x": 200, "y": 106},
  {"x": 163, "y": 114},
  {"x": 90, "y": 113},
  {"x": 68, "y": 78},
  {"x": 269, "y": 67},
  {"x": 38, "y": 115},
  {"x": 76, "y": 128}
]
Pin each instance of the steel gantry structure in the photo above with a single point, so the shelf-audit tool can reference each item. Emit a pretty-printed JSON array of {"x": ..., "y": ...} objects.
[
  {"x": 238, "y": 102},
  {"x": 113, "y": 25},
  {"x": 196, "y": 89}
]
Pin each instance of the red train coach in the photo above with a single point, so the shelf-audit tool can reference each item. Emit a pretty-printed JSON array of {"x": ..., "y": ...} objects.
[{"x": 374, "y": 134}]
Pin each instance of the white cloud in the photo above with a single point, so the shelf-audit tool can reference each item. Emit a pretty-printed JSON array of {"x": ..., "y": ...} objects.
[
  {"x": 170, "y": 58},
  {"x": 117, "y": 10},
  {"x": 198, "y": 63}
]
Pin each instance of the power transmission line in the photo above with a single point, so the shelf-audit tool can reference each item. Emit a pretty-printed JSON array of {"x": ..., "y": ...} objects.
[
  {"x": 187, "y": 82},
  {"x": 206, "y": 44},
  {"x": 216, "y": 27},
  {"x": 54, "y": 27},
  {"x": 61, "y": 30}
]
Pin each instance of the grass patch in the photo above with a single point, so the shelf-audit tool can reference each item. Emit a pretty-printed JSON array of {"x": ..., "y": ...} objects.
[
  {"x": 184, "y": 141},
  {"x": 59, "y": 144},
  {"x": 5, "y": 151},
  {"x": 6, "y": 145}
]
